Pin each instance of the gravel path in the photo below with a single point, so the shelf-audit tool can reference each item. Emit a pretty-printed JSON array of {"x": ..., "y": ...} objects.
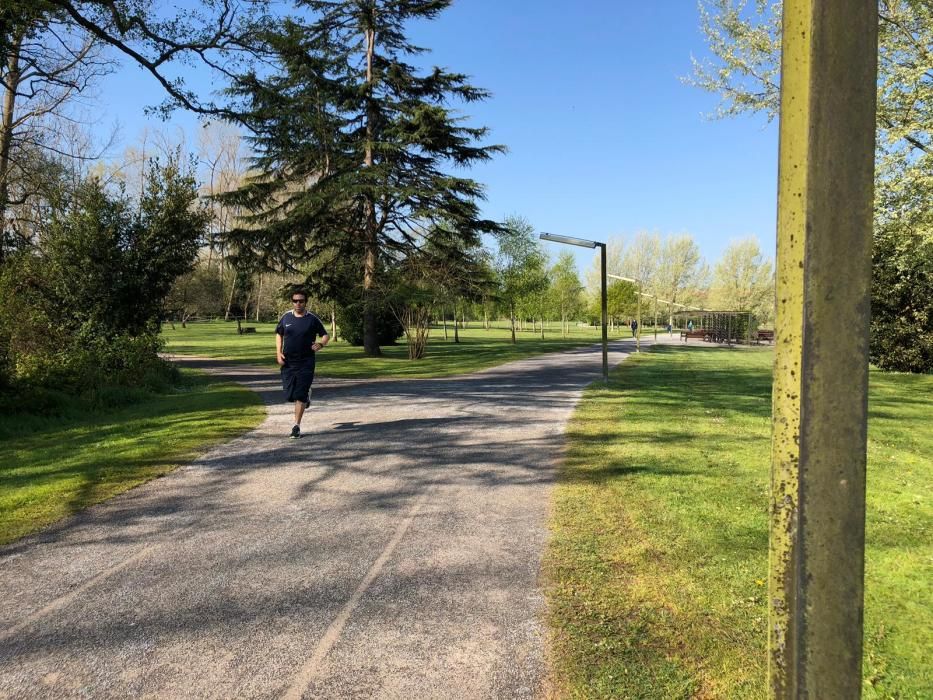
[{"x": 394, "y": 552}]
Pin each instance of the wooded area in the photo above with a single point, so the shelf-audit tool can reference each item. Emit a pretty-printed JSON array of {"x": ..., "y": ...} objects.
[{"x": 328, "y": 162}]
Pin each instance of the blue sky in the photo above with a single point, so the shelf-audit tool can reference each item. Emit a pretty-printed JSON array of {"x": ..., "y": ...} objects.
[{"x": 604, "y": 139}]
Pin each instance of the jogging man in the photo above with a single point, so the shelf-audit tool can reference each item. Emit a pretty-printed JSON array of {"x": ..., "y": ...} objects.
[{"x": 295, "y": 345}]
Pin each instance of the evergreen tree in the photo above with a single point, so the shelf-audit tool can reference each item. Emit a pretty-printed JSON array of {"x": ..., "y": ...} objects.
[{"x": 352, "y": 143}]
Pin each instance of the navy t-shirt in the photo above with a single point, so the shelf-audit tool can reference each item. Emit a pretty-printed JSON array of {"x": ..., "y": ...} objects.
[{"x": 298, "y": 334}]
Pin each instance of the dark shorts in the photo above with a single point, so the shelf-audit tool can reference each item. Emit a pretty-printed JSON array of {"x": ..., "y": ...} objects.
[{"x": 297, "y": 376}]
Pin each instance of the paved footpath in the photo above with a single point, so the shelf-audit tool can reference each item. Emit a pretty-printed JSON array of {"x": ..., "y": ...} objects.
[{"x": 393, "y": 552}]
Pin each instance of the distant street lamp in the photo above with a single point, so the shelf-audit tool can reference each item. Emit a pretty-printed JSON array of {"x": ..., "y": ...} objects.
[
  {"x": 639, "y": 295},
  {"x": 584, "y": 243}
]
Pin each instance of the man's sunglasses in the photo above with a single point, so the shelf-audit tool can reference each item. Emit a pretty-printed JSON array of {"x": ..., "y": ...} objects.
[{"x": 299, "y": 301}]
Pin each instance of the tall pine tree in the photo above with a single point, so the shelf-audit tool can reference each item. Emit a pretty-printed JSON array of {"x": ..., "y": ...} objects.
[{"x": 352, "y": 143}]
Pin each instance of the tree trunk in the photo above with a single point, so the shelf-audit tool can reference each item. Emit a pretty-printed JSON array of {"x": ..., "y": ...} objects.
[
  {"x": 485, "y": 318},
  {"x": 512, "y": 316},
  {"x": 6, "y": 135},
  {"x": 371, "y": 255},
  {"x": 444, "y": 321},
  {"x": 456, "y": 332},
  {"x": 259, "y": 298},
  {"x": 230, "y": 298},
  {"x": 333, "y": 320}
]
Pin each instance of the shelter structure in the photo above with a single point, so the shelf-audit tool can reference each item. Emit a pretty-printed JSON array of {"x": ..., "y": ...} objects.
[{"x": 720, "y": 326}]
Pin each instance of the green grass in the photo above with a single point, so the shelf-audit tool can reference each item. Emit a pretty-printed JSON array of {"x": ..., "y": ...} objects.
[
  {"x": 657, "y": 564},
  {"x": 477, "y": 349},
  {"x": 54, "y": 468}
]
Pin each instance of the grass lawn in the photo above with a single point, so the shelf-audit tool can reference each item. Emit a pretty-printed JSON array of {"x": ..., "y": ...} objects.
[
  {"x": 53, "y": 468},
  {"x": 657, "y": 564},
  {"x": 477, "y": 349}
]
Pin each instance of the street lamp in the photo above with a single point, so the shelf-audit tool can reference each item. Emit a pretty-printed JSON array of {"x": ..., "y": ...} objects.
[
  {"x": 584, "y": 243},
  {"x": 639, "y": 296}
]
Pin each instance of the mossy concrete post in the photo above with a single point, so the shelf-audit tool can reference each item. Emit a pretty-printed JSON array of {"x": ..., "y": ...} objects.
[
  {"x": 604, "y": 310},
  {"x": 829, "y": 73}
]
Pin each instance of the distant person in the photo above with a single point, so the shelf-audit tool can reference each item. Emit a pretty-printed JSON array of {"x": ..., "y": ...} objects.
[
  {"x": 670, "y": 329},
  {"x": 295, "y": 347},
  {"x": 689, "y": 325},
  {"x": 634, "y": 325}
]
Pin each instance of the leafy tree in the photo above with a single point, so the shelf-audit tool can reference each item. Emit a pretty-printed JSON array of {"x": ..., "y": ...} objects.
[
  {"x": 46, "y": 63},
  {"x": 902, "y": 280},
  {"x": 53, "y": 50},
  {"x": 566, "y": 289},
  {"x": 461, "y": 270},
  {"x": 218, "y": 34},
  {"x": 198, "y": 292},
  {"x": 533, "y": 301},
  {"x": 621, "y": 300},
  {"x": 84, "y": 309},
  {"x": 352, "y": 142},
  {"x": 642, "y": 259},
  {"x": 486, "y": 284},
  {"x": 743, "y": 280},
  {"x": 680, "y": 270},
  {"x": 615, "y": 254},
  {"x": 113, "y": 267},
  {"x": 518, "y": 265},
  {"x": 745, "y": 72}
]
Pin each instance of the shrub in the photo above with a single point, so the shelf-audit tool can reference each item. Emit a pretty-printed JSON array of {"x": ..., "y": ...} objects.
[{"x": 350, "y": 321}]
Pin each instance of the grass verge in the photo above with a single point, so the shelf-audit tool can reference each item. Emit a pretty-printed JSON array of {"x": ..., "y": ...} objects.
[
  {"x": 54, "y": 468},
  {"x": 477, "y": 349},
  {"x": 657, "y": 562}
]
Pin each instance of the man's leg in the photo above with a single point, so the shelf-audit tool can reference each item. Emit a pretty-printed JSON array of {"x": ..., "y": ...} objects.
[{"x": 299, "y": 411}]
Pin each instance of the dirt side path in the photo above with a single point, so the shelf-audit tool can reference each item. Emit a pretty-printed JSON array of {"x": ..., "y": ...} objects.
[{"x": 394, "y": 551}]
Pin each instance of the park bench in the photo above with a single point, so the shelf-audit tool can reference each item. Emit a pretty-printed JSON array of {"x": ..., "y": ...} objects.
[
  {"x": 687, "y": 335},
  {"x": 767, "y": 336}
]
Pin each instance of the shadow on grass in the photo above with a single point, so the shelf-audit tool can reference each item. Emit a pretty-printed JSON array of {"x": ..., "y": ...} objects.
[{"x": 620, "y": 469}]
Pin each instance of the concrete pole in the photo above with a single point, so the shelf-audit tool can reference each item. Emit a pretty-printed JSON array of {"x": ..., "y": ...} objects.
[
  {"x": 638, "y": 327},
  {"x": 655, "y": 319},
  {"x": 605, "y": 311},
  {"x": 829, "y": 73}
]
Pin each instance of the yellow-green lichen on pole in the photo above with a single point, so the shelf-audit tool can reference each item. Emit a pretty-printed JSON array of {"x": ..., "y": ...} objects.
[{"x": 820, "y": 390}]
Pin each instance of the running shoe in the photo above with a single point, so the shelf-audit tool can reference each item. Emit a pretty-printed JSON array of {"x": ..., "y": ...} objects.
[{"x": 296, "y": 432}]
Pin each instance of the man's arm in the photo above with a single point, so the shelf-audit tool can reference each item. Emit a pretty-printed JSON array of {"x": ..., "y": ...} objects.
[
  {"x": 325, "y": 339},
  {"x": 279, "y": 357}
]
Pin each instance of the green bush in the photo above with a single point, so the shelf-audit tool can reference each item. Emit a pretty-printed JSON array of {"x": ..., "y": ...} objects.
[
  {"x": 902, "y": 301},
  {"x": 350, "y": 321},
  {"x": 79, "y": 312}
]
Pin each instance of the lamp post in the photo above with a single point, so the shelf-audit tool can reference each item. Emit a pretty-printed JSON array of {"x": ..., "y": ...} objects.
[
  {"x": 638, "y": 312},
  {"x": 584, "y": 243}
]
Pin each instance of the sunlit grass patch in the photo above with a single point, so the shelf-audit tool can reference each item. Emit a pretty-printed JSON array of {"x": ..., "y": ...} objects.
[
  {"x": 477, "y": 349},
  {"x": 57, "y": 467},
  {"x": 658, "y": 558}
]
